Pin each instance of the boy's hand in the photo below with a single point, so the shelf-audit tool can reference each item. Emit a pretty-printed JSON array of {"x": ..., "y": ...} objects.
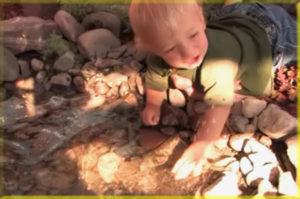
[
  {"x": 191, "y": 161},
  {"x": 151, "y": 114}
]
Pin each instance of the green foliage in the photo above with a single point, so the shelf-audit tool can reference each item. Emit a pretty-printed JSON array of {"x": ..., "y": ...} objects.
[
  {"x": 55, "y": 47},
  {"x": 79, "y": 11}
]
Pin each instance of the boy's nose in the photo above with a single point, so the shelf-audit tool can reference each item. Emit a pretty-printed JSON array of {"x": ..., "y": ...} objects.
[{"x": 189, "y": 52}]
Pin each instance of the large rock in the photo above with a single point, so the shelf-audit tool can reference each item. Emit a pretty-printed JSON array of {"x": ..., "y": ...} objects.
[
  {"x": 10, "y": 66},
  {"x": 68, "y": 25},
  {"x": 276, "y": 122},
  {"x": 97, "y": 43},
  {"x": 65, "y": 62},
  {"x": 252, "y": 106},
  {"x": 103, "y": 20},
  {"x": 26, "y": 33}
]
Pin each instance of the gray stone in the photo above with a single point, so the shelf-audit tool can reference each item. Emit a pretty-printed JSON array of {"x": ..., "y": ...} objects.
[
  {"x": 117, "y": 52},
  {"x": 62, "y": 79},
  {"x": 276, "y": 122},
  {"x": 79, "y": 83},
  {"x": 65, "y": 62},
  {"x": 24, "y": 68},
  {"x": 252, "y": 106},
  {"x": 41, "y": 76},
  {"x": 97, "y": 43},
  {"x": 27, "y": 33},
  {"x": 238, "y": 123},
  {"x": 37, "y": 65},
  {"x": 104, "y": 63},
  {"x": 10, "y": 66},
  {"x": 102, "y": 20},
  {"x": 68, "y": 25}
]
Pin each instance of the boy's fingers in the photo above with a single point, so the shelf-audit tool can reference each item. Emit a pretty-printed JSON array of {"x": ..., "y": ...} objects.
[
  {"x": 184, "y": 171},
  {"x": 198, "y": 169},
  {"x": 177, "y": 165}
]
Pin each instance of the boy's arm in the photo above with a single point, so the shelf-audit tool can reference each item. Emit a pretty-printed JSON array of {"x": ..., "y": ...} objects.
[
  {"x": 151, "y": 112},
  {"x": 209, "y": 131},
  {"x": 212, "y": 124}
]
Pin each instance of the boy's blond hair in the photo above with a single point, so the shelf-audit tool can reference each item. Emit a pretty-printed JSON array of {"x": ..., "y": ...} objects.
[{"x": 148, "y": 18}]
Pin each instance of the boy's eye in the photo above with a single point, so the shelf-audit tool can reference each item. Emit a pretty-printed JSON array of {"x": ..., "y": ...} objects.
[
  {"x": 194, "y": 35},
  {"x": 170, "y": 49}
]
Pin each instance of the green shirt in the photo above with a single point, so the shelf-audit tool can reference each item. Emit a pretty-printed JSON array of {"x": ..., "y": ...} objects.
[{"x": 236, "y": 39}]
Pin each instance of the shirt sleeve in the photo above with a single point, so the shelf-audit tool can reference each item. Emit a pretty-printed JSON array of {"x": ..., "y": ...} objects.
[
  {"x": 217, "y": 78},
  {"x": 156, "y": 77}
]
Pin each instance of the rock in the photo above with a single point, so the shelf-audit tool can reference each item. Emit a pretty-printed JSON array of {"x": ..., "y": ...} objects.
[
  {"x": 292, "y": 149},
  {"x": 114, "y": 79},
  {"x": 265, "y": 187},
  {"x": 101, "y": 88},
  {"x": 79, "y": 83},
  {"x": 227, "y": 186},
  {"x": 233, "y": 167},
  {"x": 172, "y": 116},
  {"x": 41, "y": 77},
  {"x": 64, "y": 62},
  {"x": 245, "y": 165},
  {"x": 287, "y": 185},
  {"x": 97, "y": 43},
  {"x": 54, "y": 179},
  {"x": 131, "y": 99},
  {"x": 267, "y": 172},
  {"x": 265, "y": 140},
  {"x": 108, "y": 166},
  {"x": 168, "y": 131},
  {"x": 88, "y": 70},
  {"x": 43, "y": 10},
  {"x": 225, "y": 162},
  {"x": 176, "y": 97},
  {"x": 238, "y": 123},
  {"x": 237, "y": 141},
  {"x": 61, "y": 79},
  {"x": 27, "y": 33},
  {"x": 104, "y": 63},
  {"x": 261, "y": 155},
  {"x": 124, "y": 89},
  {"x": 149, "y": 139},
  {"x": 93, "y": 102},
  {"x": 104, "y": 20},
  {"x": 37, "y": 65},
  {"x": 24, "y": 68},
  {"x": 68, "y": 25},
  {"x": 117, "y": 52},
  {"x": 10, "y": 66},
  {"x": 276, "y": 122},
  {"x": 252, "y": 106},
  {"x": 75, "y": 72},
  {"x": 236, "y": 108}
]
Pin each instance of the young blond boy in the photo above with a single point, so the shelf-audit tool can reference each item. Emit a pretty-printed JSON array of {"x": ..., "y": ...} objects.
[{"x": 237, "y": 47}]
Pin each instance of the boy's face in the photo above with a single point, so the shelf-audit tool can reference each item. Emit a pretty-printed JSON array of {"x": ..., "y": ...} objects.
[{"x": 186, "y": 46}]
